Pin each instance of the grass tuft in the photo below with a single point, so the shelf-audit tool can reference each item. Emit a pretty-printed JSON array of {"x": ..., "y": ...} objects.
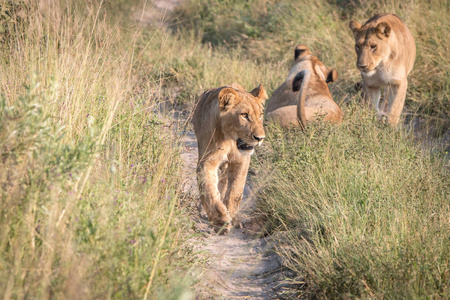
[
  {"x": 89, "y": 174},
  {"x": 363, "y": 210},
  {"x": 266, "y": 32}
]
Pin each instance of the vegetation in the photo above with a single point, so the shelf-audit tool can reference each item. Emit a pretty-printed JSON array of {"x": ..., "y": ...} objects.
[
  {"x": 89, "y": 168},
  {"x": 266, "y": 32},
  {"x": 362, "y": 209},
  {"x": 89, "y": 175}
]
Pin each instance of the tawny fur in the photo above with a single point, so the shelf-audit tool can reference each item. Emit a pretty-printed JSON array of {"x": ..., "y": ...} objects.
[
  {"x": 312, "y": 98},
  {"x": 221, "y": 118},
  {"x": 386, "y": 52}
]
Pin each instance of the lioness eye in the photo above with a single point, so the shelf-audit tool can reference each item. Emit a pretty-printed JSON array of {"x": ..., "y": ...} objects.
[
  {"x": 373, "y": 47},
  {"x": 245, "y": 116},
  {"x": 357, "y": 47}
]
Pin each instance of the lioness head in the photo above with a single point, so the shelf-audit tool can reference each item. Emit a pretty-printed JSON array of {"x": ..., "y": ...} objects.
[
  {"x": 241, "y": 117},
  {"x": 305, "y": 61},
  {"x": 371, "y": 44}
]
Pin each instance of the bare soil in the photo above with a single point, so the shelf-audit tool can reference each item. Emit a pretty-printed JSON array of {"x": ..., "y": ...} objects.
[
  {"x": 241, "y": 265},
  {"x": 156, "y": 12}
]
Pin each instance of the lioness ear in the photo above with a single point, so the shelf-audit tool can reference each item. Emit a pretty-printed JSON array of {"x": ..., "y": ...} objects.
[
  {"x": 260, "y": 93},
  {"x": 384, "y": 29},
  {"x": 298, "y": 81},
  {"x": 355, "y": 27},
  {"x": 301, "y": 51},
  {"x": 227, "y": 98},
  {"x": 332, "y": 75}
]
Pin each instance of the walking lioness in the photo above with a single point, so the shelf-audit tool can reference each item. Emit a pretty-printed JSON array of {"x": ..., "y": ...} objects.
[
  {"x": 304, "y": 95},
  {"x": 228, "y": 125},
  {"x": 386, "y": 52}
]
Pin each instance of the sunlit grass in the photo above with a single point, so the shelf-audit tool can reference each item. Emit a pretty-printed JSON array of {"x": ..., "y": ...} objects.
[
  {"x": 362, "y": 209},
  {"x": 264, "y": 33},
  {"x": 89, "y": 175}
]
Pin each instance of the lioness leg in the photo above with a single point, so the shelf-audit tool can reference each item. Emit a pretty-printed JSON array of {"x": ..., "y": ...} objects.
[
  {"x": 223, "y": 180},
  {"x": 207, "y": 178},
  {"x": 237, "y": 174},
  {"x": 372, "y": 95},
  {"x": 396, "y": 98}
]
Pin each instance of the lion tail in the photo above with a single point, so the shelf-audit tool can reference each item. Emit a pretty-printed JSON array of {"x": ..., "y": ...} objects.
[{"x": 300, "y": 83}]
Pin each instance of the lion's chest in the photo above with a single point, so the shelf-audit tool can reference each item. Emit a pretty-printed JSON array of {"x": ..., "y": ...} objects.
[
  {"x": 393, "y": 75},
  {"x": 226, "y": 152},
  {"x": 383, "y": 76},
  {"x": 372, "y": 78},
  {"x": 387, "y": 72}
]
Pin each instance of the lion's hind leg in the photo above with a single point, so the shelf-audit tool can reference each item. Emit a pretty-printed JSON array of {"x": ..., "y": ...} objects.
[{"x": 285, "y": 116}]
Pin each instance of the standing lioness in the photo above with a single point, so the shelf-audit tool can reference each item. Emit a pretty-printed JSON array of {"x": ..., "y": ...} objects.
[
  {"x": 386, "y": 53},
  {"x": 228, "y": 125}
]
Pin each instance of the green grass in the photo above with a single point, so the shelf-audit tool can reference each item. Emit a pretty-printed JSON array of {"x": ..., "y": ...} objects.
[
  {"x": 363, "y": 210},
  {"x": 266, "y": 32},
  {"x": 89, "y": 176}
]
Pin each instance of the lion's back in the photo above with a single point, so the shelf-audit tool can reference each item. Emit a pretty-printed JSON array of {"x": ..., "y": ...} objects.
[{"x": 204, "y": 116}]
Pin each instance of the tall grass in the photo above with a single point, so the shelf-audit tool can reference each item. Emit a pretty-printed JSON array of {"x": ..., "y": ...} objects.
[
  {"x": 89, "y": 175},
  {"x": 266, "y": 32},
  {"x": 361, "y": 210}
]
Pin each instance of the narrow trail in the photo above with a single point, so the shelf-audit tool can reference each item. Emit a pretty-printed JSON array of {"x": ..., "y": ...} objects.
[{"x": 240, "y": 265}]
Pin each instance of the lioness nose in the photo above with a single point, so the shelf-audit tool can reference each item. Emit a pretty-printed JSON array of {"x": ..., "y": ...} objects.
[
  {"x": 259, "y": 138},
  {"x": 362, "y": 66}
]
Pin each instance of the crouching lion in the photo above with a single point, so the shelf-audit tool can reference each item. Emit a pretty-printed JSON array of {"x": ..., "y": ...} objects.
[
  {"x": 386, "y": 52},
  {"x": 304, "y": 95},
  {"x": 228, "y": 125}
]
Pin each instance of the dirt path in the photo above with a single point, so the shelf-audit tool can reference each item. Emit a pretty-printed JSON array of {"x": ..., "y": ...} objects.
[
  {"x": 240, "y": 265},
  {"x": 157, "y": 12}
]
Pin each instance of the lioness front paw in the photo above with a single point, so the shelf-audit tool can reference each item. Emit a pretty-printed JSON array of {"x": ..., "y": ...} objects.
[
  {"x": 382, "y": 116},
  {"x": 221, "y": 227},
  {"x": 221, "y": 222},
  {"x": 237, "y": 223}
]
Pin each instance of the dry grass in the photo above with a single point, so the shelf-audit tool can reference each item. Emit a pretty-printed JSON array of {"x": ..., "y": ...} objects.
[
  {"x": 363, "y": 207},
  {"x": 89, "y": 175},
  {"x": 264, "y": 34},
  {"x": 361, "y": 210}
]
